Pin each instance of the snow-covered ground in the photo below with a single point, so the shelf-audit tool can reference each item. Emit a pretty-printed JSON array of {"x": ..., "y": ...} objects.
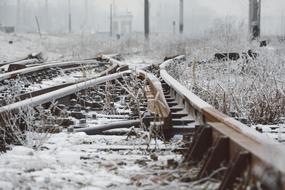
[
  {"x": 76, "y": 46},
  {"x": 18, "y": 46},
  {"x": 78, "y": 161},
  {"x": 75, "y": 160}
]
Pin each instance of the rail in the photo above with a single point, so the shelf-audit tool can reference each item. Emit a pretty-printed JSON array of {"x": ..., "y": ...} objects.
[
  {"x": 157, "y": 103},
  {"x": 43, "y": 67},
  {"x": 51, "y": 96},
  {"x": 109, "y": 70},
  {"x": 225, "y": 139}
]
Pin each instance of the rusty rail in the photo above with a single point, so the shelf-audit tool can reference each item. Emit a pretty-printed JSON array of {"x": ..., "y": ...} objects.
[
  {"x": 157, "y": 103},
  {"x": 244, "y": 151},
  {"x": 29, "y": 70},
  {"x": 57, "y": 94},
  {"x": 109, "y": 70},
  {"x": 114, "y": 125},
  {"x": 33, "y": 99}
]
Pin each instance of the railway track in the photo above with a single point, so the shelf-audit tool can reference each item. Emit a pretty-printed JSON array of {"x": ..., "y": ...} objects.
[
  {"x": 150, "y": 102},
  {"x": 40, "y": 79}
]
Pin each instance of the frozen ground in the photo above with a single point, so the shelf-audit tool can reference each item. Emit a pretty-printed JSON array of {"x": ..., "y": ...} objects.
[
  {"x": 18, "y": 46},
  {"x": 78, "y": 161},
  {"x": 76, "y": 46}
]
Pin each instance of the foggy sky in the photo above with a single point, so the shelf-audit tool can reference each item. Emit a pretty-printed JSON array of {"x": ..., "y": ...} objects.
[{"x": 199, "y": 14}]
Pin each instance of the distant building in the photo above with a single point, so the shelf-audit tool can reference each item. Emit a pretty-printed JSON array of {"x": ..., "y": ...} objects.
[
  {"x": 7, "y": 29},
  {"x": 122, "y": 24}
]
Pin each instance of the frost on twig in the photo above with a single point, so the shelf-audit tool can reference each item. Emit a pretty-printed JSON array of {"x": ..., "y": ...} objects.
[{"x": 28, "y": 126}]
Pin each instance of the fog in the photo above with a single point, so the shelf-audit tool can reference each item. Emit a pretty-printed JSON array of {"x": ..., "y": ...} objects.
[{"x": 94, "y": 15}]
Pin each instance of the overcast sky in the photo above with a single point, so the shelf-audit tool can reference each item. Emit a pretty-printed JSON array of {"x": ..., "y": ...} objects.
[{"x": 199, "y": 14}]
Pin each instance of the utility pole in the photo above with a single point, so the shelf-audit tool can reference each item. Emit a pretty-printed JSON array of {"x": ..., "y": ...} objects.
[
  {"x": 47, "y": 16},
  {"x": 146, "y": 19},
  {"x": 1, "y": 12},
  {"x": 4, "y": 12},
  {"x": 181, "y": 16},
  {"x": 69, "y": 17},
  {"x": 174, "y": 28},
  {"x": 114, "y": 8},
  {"x": 18, "y": 17},
  {"x": 38, "y": 26},
  {"x": 282, "y": 27},
  {"x": 254, "y": 18},
  {"x": 111, "y": 20},
  {"x": 86, "y": 19}
]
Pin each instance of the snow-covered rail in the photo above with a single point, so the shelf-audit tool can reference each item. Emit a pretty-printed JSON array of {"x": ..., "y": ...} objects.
[
  {"x": 249, "y": 158},
  {"x": 61, "y": 93},
  {"x": 32, "y": 70},
  {"x": 109, "y": 70},
  {"x": 157, "y": 103},
  {"x": 38, "y": 80}
]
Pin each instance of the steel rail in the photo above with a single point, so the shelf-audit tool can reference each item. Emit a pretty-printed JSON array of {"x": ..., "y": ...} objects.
[
  {"x": 223, "y": 138},
  {"x": 24, "y": 62},
  {"x": 114, "y": 125},
  {"x": 43, "y": 67},
  {"x": 109, "y": 70},
  {"x": 60, "y": 93},
  {"x": 112, "y": 59},
  {"x": 157, "y": 103}
]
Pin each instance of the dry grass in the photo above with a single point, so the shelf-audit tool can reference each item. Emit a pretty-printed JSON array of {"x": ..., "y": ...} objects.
[
  {"x": 268, "y": 108},
  {"x": 252, "y": 90},
  {"x": 27, "y": 126}
]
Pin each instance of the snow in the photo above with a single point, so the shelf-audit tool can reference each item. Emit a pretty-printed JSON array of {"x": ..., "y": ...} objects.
[
  {"x": 141, "y": 61},
  {"x": 23, "y": 44},
  {"x": 74, "y": 161}
]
